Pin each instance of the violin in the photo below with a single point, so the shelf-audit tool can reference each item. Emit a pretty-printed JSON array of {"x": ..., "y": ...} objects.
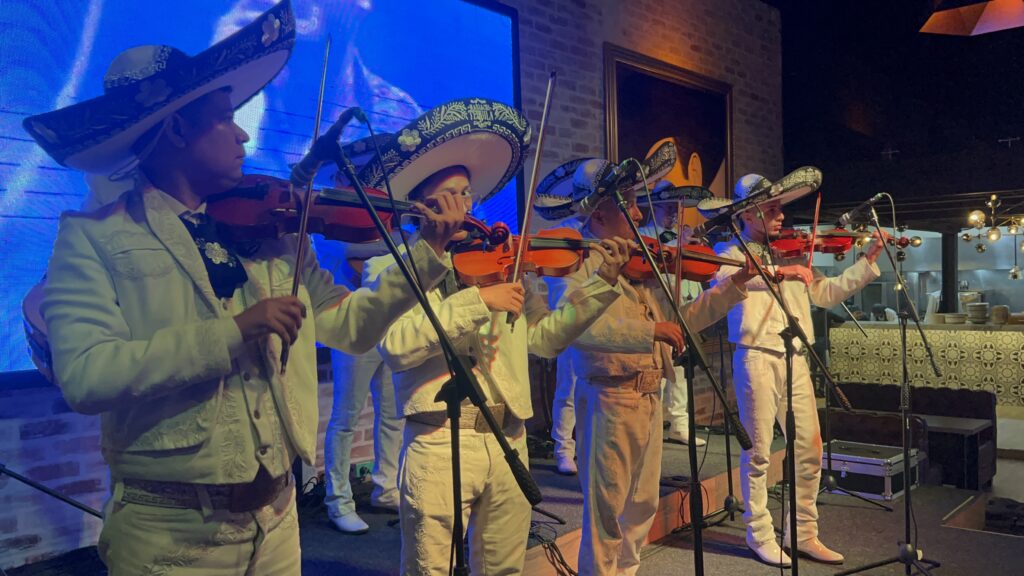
[
  {"x": 792, "y": 243},
  {"x": 560, "y": 251},
  {"x": 264, "y": 207}
]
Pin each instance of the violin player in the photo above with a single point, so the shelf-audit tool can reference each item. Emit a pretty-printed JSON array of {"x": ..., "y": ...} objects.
[
  {"x": 619, "y": 363},
  {"x": 446, "y": 163},
  {"x": 759, "y": 366},
  {"x": 173, "y": 337}
]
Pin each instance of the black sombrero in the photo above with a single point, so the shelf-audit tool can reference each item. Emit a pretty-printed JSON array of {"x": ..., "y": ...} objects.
[{"x": 146, "y": 84}]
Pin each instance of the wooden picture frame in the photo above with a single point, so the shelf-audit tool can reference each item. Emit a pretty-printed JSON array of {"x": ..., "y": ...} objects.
[{"x": 647, "y": 100}]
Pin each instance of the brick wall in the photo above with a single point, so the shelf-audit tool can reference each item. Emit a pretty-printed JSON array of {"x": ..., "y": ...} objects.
[
  {"x": 733, "y": 41},
  {"x": 41, "y": 439}
]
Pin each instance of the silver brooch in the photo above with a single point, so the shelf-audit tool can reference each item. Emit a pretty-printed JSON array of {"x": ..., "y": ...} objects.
[{"x": 216, "y": 253}]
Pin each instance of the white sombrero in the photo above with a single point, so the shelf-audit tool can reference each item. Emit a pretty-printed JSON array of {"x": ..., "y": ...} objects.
[
  {"x": 574, "y": 188},
  {"x": 487, "y": 137},
  {"x": 553, "y": 200},
  {"x": 790, "y": 187},
  {"x": 656, "y": 165},
  {"x": 146, "y": 84}
]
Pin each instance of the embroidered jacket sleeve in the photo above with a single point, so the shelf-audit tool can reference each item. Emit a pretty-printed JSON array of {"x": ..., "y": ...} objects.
[
  {"x": 828, "y": 292},
  {"x": 610, "y": 332},
  {"x": 411, "y": 340},
  {"x": 355, "y": 322},
  {"x": 98, "y": 363},
  {"x": 713, "y": 304},
  {"x": 552, "y": 331}
]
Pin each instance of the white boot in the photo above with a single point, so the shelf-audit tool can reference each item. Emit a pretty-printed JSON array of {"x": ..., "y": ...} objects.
[
  {"x": 771, "y": 554},
  {"x": 350, "y": 523},
  {"x": 813, "y": 548},
  {"x": 681, "y": 435},
  {"x": 566, "y": 465}
]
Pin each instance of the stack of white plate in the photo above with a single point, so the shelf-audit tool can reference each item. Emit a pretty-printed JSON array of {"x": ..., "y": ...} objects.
[
  {"x": 977, "y": 312},
  {"x": 955, "y": 318}
]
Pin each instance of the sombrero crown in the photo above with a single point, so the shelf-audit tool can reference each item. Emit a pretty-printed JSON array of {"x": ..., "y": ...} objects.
[
  {"x": 486, "y": 137},
  {"x": 574, "y": 188},
  {"x": 146, "y": 84}
]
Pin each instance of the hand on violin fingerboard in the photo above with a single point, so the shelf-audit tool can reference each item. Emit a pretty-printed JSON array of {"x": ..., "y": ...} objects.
[
  {"x": 505, "y": 297},
  {"x": 796, "y": 272},
  {"x": 616, "y": 252},
  {"x": 439, "y": 226}
]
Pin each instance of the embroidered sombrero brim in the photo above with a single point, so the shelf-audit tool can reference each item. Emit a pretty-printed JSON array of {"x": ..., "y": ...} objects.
[
  {"x": 690, "y": 196},
  {"x": 96, "y": 135},
  {"x": 554, "y": 193},
  {"x": 656, "y": 166},
  {"x": 789, "y": 188},
  {"x": 487, "y": 137},
  {"x": 797, "y": 184},
  {"x": 361, "y": 153}
]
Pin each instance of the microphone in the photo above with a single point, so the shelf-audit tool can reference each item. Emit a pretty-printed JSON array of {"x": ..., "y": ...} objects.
[
  {"x": 626, "y": 169},
  {"x": 324, "y": 149},
  {"x": 848, "y": 216},
  {"x": 727, "y": 213}
]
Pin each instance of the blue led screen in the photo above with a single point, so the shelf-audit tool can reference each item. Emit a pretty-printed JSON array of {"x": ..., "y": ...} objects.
[{"x": 393, "y": 58}]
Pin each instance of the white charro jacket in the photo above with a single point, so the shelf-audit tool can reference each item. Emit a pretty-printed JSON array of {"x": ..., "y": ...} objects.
[
  {"x": 411, "y": 347},
  {"x": 757, "y": 321},
  {"x": 621, "y": 342},
  {"x": 139, "y": 336}
]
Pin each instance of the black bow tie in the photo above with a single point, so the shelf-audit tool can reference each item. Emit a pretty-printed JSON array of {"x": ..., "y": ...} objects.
[{"x": 222, "y": 264}]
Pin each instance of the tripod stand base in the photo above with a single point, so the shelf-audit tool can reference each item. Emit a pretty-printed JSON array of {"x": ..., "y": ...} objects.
[
  {"x": 830, "y": 486},
  {"x": 908, "y": 556}
]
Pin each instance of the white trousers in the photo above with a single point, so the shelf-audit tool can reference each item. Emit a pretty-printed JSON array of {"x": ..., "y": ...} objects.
[
  {"x": 563, "y": 414},
  {"x": 141, "y": 539},
  {"x": 676, "y": 401},
  {"x": 355, "y": 377},
  {"x": 760, "y": 381},
  {"x": 619, "y": 445},
  {"x": 494, "y": 510}
]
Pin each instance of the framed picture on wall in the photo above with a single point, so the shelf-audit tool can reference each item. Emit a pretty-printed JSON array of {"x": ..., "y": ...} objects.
[{"x": 648, "y": 100}]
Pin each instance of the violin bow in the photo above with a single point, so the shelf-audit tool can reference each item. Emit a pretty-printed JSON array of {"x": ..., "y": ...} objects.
[
  {"x": 307, "y": 198},
  {"x": 679, "y": 252},
  {"x": 814, "y": 231},
  {"x": 524, "y": 228}
]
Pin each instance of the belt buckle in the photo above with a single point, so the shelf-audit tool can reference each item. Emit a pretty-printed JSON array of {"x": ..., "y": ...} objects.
[{"x": 498, "y": 411}]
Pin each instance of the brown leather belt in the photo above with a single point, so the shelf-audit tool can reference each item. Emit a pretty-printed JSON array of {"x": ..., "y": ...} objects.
[
  {"x": 236, "y": 498},
  {"x": 470, "y": 417},
  {"x": 644, "y": 381}
]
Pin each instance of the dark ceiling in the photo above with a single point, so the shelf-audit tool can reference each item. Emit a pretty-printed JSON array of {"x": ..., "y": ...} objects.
[{"x": 938, "y": 121}]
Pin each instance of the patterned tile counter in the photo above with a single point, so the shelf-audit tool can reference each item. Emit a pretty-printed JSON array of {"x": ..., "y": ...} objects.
[{"x": 978, "y": 357}]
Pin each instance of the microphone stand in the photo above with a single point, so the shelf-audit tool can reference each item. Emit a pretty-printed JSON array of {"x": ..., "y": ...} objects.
[
  {"x": 694, "y": 357},
  {"x": 909, "y": 555},
  {"x": 463, "y": 384},
  {"x": 731, "y": 504},
  {"x": 791, "y": 331}
]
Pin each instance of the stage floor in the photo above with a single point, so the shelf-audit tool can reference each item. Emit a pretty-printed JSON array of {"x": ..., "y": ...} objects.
[{"x": 862, "y": 532}]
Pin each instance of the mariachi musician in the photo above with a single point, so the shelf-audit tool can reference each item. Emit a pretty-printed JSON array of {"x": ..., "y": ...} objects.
[{"x": 173, "y": 336}]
